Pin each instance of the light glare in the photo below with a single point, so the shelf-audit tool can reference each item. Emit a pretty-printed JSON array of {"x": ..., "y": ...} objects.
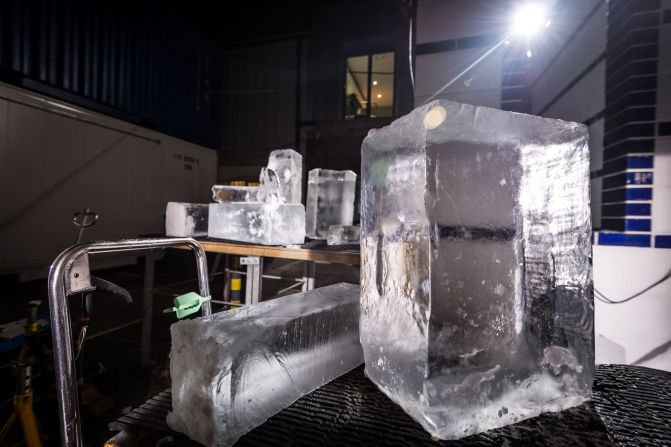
[{"x": 529, "y": 19}]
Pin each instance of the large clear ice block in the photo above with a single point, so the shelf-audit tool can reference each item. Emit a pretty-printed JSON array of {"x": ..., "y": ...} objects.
[
  {"x": 476, "y": 302},
  {"x": 232, "y": 371},
  {"x": 232, "y": 193},
  {"x": 257, "y": 222},
  {"x": 330, "y": 200},
  {"x": 186, "y": 219},
  {"x": 287, "y": 164}
]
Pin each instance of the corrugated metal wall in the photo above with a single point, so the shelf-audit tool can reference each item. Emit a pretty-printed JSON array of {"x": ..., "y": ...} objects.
[
  {"x": 258, "y": 101},
  {"x": 133, "y": 60}
]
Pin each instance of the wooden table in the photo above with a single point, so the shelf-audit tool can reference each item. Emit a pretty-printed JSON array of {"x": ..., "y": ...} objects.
[{"x": 252, "y": 257}]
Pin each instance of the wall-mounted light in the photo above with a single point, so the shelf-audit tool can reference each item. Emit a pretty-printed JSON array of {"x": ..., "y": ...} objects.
[{"x": 529, "y": 19}]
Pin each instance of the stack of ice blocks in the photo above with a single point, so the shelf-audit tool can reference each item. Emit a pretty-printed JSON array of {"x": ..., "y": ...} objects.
[
  {"x": 271, "y": 214},
  {"x": 476, "y": 301},
  {"x": 232, "y": 371},
  {"x": 330, "y": 201}
]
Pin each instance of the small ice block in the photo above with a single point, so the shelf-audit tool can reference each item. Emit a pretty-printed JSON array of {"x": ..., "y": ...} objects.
[
  {"x": 330, "y": 200},
  {"x": 186, "y": 219},
  {"x": 343, "y": 235},
  {"x": 230, "y": 193},
  {"x": 476, "y": 285},
  {"x": 235, "y": 369},
  {"x": 258, "y": 222},
  {"x": 287, "y": 164}
]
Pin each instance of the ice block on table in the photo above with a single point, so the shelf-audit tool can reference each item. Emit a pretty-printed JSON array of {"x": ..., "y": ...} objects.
[
  {"x": 258, "y": 222},
  {"x": 232, "y": 371},
  {"x": 476, "y": 300},
  {"x": 343, "y": 235},
  {"x": 287, "y": 164},
  {"x": 231, "y": 193},
  {"x": 330, "y": 200},
  {"x": 186, "y": 219}
]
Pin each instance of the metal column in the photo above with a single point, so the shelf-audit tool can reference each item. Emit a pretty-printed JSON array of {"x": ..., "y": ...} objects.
[
  {"x": 147, "y": 310},
  {"x": 254, "y": 280},
  {"x": 308, "y": 276}
]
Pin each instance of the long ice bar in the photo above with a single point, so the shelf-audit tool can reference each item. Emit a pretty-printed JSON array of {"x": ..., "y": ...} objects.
[
  {"x": 258, "y": 222},
  {"x": 330, "y": 200},
  {"x": 476, "y": 302},
  {"x": 232, "y": 193},
  {"x": 186, "y": 219},
  {"x": 232, "y": 371}
]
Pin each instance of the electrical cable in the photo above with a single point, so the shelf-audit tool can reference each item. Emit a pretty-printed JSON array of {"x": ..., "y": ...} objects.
[{"x": 604, "y": 299}]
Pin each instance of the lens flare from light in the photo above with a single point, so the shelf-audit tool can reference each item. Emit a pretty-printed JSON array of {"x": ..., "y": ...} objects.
[{"x": 528, "y": 20}]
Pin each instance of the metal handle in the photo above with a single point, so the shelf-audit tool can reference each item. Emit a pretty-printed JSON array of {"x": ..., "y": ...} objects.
[{"x": 66, "y": 380}]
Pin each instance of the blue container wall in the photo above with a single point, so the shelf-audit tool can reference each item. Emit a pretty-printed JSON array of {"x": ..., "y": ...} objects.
[{"x": 137, "y": 61}]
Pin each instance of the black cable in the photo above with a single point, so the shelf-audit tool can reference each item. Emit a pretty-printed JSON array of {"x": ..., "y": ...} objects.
[{"x": 603, "y": 298}]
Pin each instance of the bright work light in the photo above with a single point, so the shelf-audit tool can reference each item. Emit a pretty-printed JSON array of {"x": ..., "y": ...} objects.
[{"x": 529, "y": 19}]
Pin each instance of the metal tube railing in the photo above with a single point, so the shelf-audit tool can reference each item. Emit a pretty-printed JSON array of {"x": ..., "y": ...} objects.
[{"x": 64, "y": 361}]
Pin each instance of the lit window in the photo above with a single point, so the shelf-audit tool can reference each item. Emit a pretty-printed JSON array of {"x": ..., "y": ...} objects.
[{"x": 369, "y": 86}]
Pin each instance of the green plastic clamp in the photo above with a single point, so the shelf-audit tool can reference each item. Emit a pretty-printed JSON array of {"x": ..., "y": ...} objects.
[{"x": 187, "y": 304}]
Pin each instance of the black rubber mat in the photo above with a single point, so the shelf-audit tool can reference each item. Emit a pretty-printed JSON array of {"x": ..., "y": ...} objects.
[{"x": 631, "y": 406}]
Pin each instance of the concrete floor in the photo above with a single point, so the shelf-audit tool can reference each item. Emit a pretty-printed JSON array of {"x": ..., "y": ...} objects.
[{"x": 111, "y": 353}]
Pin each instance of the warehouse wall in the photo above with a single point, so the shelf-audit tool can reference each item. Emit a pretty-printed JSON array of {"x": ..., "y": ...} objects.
[
  {"x": 261, "y": 110},
  {"x": 57, "y": 159},
  {"x": 136, "y": 61}
]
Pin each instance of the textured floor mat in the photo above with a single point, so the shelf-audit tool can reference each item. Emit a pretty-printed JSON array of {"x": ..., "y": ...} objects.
[{"x": 631, "y": 406}]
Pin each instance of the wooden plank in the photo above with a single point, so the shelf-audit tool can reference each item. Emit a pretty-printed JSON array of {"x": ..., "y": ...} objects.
[{"x": 347, "y": 257}]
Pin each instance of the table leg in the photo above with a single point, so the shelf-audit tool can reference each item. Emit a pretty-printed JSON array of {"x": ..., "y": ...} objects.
[
  {"x": 308, "y": 276},
  {"x": 253, "y": 282},
  {"x": 147, "y": 310}
]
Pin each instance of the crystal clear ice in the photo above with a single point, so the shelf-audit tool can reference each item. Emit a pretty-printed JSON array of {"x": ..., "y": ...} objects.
[
  {"x": 476, "y": 298},
  {"x": 330, "y": 201},
  {"x": 231, "y": 193},
  {"x": 258, "y": 222},
  {"x": 287, "y": 164},
  {"x": 234, "y": 370},
  {"x": 186, "y": 219},
  {"x": 343, "y": 235}
]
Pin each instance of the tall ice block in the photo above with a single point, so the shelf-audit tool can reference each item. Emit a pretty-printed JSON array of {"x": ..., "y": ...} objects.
[
  {"x": 288, "y": 166},
  {"x": 258, "y": 222},
  {"x": 186, "y": 219},
  {"x": 330, "y": 201},
  {"x": 476, "y": 300},
  {"x": 232, "y": 371}
]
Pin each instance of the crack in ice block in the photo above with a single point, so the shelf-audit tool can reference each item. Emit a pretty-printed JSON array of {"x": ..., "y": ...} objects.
[
  {"x": 186, "y": 219},
  {"x": 287, "y": 164},
  {"x": 343, "y": 235},
  {"x": 234, "y": 370},
  {"x": 231, "y": 193},
  {"x": 270, "y": 189},
  {"x": 476, "y": 298},
  {"x": 330, "y": 200},
  {"x": 258, "y": 222}
]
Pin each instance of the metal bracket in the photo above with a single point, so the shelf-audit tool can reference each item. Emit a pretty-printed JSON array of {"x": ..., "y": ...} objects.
[
  {"x": 78, "y": 276},
  {"x": 249, "y": 260}
]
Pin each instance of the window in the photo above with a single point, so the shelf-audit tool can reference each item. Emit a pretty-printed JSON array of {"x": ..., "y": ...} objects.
[{"x": 369, "y": 86}]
